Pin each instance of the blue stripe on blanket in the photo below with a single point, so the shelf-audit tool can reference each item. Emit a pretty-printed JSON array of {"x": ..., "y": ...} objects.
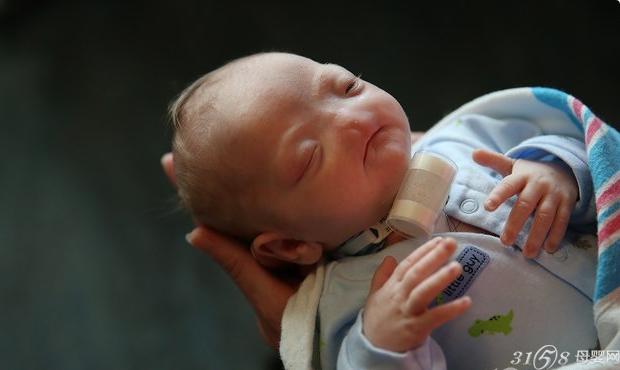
[
  {"x": 608, "y": 274},
  {"x": 609, "y": 211},
  {"x": 557, "y": 99},
  {"x": 587, "y": 114},
  {"x": 602, "y": 157}
]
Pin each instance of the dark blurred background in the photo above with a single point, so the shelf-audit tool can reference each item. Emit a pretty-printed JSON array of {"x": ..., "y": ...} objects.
[{"x": 95, "y": 270}]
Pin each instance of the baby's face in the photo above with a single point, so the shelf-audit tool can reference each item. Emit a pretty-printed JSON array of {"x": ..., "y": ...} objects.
[{"x": 331, "y": 150}]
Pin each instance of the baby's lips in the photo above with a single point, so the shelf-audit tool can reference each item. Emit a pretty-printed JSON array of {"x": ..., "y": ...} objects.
[{"x": 368, "y": 141}]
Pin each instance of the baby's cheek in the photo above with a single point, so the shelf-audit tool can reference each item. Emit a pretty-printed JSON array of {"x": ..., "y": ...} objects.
[
  {"x": 392, "y": 175},
  {"x": 370, "y": 210}
]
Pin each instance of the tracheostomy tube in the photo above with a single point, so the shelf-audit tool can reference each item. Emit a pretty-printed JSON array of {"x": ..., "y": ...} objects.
[{"x": 422, "y": 194}]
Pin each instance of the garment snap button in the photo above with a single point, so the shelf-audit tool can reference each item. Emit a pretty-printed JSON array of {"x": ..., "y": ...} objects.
[{"x": 469, "y": 206}]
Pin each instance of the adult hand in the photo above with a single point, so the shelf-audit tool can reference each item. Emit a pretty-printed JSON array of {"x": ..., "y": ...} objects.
[
  {"x": 267, "y": 293},
  {"x": 253, "y": 280}
]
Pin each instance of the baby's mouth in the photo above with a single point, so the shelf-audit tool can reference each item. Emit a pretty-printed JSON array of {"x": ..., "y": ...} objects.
[{"x": 370, "y": 138}]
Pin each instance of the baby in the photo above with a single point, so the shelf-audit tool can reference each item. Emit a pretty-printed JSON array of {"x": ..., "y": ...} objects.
[{"x": 297, "y": 157}]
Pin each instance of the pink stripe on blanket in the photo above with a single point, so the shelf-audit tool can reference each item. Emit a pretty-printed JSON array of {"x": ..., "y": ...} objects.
[
  {"x": 610, "y": 194},
  {"x": 593, "y": 127},
  {"x": 577, "y": 107},
  {"x": 609, "y": 228}
]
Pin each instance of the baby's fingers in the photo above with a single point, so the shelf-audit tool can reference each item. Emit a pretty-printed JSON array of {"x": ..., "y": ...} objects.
[
  {"x": 426, "y": 266},
  {"x": 441, "y": 314},
  {"x": 494, "y": 160},
  {"x": 545, "y": 214},
  {"x": 423, "y": 294},
  {"x": 414, "y": 257},
  {"x": 509, "y": 186},
  {"x": 522, "y": 209},
  {"x": 558, "y": 228}
]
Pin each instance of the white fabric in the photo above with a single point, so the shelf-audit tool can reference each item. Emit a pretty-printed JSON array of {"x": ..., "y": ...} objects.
[{"x": 298, "y": 322}]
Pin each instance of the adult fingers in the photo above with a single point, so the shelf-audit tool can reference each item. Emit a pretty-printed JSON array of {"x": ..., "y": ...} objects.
[
  {"x": 234, "y": 257},
  {"x": 427, "y": 265},
  {"x": 423, "y": 294},
  {"x": 545, "y": 214},
  {"x": 270, "y": 331},
  {"x": 506, "y": 188},
  {"x": 494, "y": 160},
  {"x": 231, "y": 255},
  {"x": 523, "y": 207},
  {"x": 558, "y": 228},
  {"x": 167, "y": 165},
  {"x": 383, "y": 273},
  {"x": 414, "y": 256},
  {"x": 253, "y": 280},
  {"x": 441, "y": 314}
]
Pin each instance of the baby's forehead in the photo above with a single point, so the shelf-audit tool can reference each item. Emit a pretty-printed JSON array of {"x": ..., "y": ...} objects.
[
  {"x": 275, "y": 91},
  {"x": 264, "y": 91}
]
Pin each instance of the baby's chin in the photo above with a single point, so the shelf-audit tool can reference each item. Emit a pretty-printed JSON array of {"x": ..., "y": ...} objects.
[
  {"x": 392, "y": 172},
  {"x": 391, "y": 179},
  {"x": 390, "y": 151}
]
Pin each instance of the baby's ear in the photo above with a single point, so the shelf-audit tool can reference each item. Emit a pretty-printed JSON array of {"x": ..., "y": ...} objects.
[{"x": 270, "y": 247}]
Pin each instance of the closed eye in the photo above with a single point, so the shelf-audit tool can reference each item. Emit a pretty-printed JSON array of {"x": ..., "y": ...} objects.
[
  {"x": 353, "y": 83},
  {"x": 314, "y": 157}
]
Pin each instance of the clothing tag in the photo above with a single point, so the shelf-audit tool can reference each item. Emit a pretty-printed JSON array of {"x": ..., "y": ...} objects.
[{"x": 473, "y": 260}]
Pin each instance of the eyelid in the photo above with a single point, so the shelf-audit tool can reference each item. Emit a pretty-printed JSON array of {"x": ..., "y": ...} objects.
[
  {"x": 310, "y": 162},
  {"x": 353, "y": 83}
]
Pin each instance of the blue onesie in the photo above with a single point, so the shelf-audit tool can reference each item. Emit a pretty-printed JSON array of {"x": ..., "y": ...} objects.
[{"x": 518, "y": 305}]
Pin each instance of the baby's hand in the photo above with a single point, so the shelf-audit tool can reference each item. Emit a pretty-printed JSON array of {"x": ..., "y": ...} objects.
[
  {"x": 544, "y": 187},
  {"x": 396, "y": 317}
]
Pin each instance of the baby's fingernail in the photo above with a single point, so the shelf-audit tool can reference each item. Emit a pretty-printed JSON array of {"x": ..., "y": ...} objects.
[
  {"x": 450, "y": 240},
  {"x": 530, "y": 252},
  {"x": 489, "y": 204},
  {"x": 505, "y": 239},
  {"x": 465, "y": 300},
  {"x": 550, "y": 250},
  {"x": 455, "y": 266}
]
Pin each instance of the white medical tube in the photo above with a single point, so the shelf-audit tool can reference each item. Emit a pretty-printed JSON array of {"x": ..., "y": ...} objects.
[{"x": 422, "y": 194}]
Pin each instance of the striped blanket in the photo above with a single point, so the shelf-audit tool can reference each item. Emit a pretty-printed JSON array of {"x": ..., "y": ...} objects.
[{"x": 603, "y": 148}]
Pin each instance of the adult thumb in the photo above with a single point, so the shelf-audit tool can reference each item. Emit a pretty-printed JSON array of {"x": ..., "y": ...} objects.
[
  {"x": 167, "y": 164},
  {"x": 383, "y": 273}
]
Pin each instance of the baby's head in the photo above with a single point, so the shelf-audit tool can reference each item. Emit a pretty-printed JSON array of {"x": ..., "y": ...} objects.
[{"x": 289, "y": 154}]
